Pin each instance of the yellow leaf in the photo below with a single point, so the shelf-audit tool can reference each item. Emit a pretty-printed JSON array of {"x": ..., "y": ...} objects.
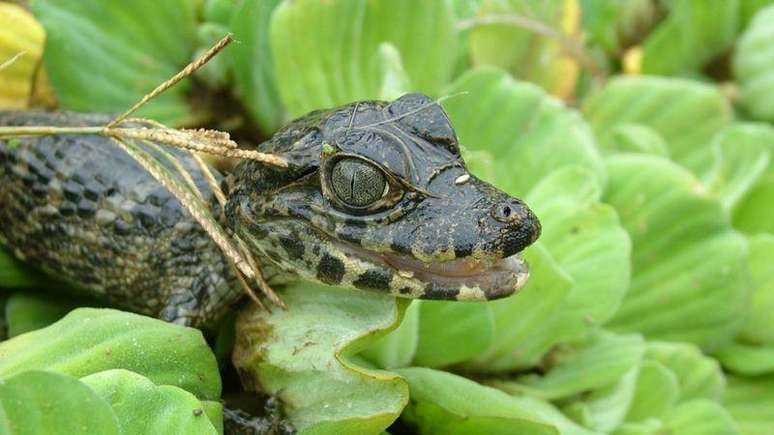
[
  {"x": 21, "y": 49},
  {"x": 632, "y": 61}
]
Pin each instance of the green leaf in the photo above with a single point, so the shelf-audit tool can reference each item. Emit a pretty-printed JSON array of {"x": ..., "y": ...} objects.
[
  {"x": 748, "y": 9},
  {"x": 464, "y": 9},
  {"x": 584, "y": 239},
  {"x": 443, "y": 403},
  {"x": 754, "y": 66},
  {"x": 605, "y": 409},
  {"x": 217, "y": 11},
  {"x": 395, "y": 81},
  {"x": 531, "y": 133},
  {"x": 597, "y": 362},
  {"x": 104, "y": 55},
  {"x": 656, "y": 392},
  {"x": 700, "y": 417},
  {"x": 599, "y": 22},
  {"x": 587, "y": 240},
  {"x": 636, "y": 138},
  {"x": 216, "y": 74},
  {"x": 92, "y": 340},
  {"x": 747, "y": 359},
  {"x": 693, "y": 33},
  {"x": 512, "y": 42},
  {"x": 519, "y": 319},
  {"x": 754, "y": 213},
  {"x": 685, "y": 113},
  {"x": 327, "y": 53},
  {"x": 253, "y": 63},
  {"x": 302, "y": 355},
  {"x": 143, "y": 407},
  {"x": 758, "y": 323},
  {"x": 650, "y": 426},
  {"x": 699, "y": 376},
  {"x": 13, "y": 274},
  {"x": 697, "y": 417},
  {"x": 397, "y": 349},
  {"x": 27, "y": 312},
  {"x": 440, "y": 338},
  {"x": 37, "y": 402},
  {"x": 742, "y": 154},
  {"x": 614, "y": 24},
  {"x": 753, "y": 351},
  {"x": 3, "y": 322},
  {"x": 214, "y": 411},
  {"x": 750, "y": 401},
  {"x": 678, "y": 292}
]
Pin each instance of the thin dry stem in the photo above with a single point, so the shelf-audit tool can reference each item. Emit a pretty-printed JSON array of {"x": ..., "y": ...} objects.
[
  {"x": 249, "y": 290},
  {"x": 26, "y": 131},
  {"x": 178, "y": 167},
  {"x": 192, "y": 140},
  {"x": 185, "y": 72},
  {"x": 262, "y": 284},
  {"x": 191, "y": 202},
  {"x": 13, "y": 59},
  {"x": 211, "y": 181},
  {"x": 201, "y": 140}
]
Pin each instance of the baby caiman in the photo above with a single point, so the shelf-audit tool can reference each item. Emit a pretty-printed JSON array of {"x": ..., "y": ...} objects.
[{"x": 376, "y": 196}]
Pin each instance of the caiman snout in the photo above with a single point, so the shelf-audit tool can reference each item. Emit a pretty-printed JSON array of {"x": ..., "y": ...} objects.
[{"x": 521, "y": 226}]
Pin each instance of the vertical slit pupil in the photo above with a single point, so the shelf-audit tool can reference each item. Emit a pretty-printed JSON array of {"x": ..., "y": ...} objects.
[{"x": 357, "y": 183}]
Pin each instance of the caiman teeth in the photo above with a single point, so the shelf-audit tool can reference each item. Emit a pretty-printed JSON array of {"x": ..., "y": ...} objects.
[
  {"x": 459, "y": 268},
  {"x": 491, "y": 278},
  {"x": 495, "y": 277}
]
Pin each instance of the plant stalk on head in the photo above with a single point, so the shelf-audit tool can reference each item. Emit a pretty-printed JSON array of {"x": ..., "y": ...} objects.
[{"x": 199, "y": 140}]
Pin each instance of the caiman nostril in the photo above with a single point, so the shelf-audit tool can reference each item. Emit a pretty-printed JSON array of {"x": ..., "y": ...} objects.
[{"x": 507, "y": 211}]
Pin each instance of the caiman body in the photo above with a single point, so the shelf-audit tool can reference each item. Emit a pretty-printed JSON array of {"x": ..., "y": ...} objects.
[{"x": 376, "y": 196}]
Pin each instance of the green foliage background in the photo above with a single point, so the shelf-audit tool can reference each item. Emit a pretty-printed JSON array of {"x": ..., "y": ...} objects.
[{"x": 639, "y": 131}]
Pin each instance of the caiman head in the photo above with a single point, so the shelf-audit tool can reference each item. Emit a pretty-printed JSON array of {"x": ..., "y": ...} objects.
[{"x": 377, "y": 197}]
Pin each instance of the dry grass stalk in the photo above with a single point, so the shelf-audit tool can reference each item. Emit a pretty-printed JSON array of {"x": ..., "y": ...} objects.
[{"x": 185, "y": 190}]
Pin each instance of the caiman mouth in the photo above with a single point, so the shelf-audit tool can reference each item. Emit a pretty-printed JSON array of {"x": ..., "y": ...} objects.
[
  {"x": 459, "y": 279},
  {"x": 495, "y": 279}
]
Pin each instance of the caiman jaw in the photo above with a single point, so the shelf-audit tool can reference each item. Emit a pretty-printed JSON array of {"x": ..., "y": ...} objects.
[
  {"x": 494, "y": 279},
  {"x": 464, "y": 279}
]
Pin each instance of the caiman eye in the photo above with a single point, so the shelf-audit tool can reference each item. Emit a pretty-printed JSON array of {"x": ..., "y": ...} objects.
[{"x": 357, "y": 183}]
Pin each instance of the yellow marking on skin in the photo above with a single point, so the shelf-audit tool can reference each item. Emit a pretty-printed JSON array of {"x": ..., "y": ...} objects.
[
  {"x": 353, "y": 268},
  {"x": 481, "y": 254},
  {"x": 398, "y": 282},
  {"x": 521, "y": 280},
  {"x": 471, "y": 294},
  {"x": 371, "y": 244},
  {"x": 445, "y": 254}
]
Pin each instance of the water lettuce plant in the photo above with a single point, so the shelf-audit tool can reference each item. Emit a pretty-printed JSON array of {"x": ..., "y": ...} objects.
[{"x": 640, "y": 132}]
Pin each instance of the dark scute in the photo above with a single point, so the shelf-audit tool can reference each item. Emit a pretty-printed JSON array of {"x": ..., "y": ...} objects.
[
  {"x": 294, "y": 247},
  {"x": 330, "y": 270},
  {"x": 442, "y": 292},
  {"x": 430, "y": 122},
  {"x": 67, "y": 208},
  {"x": 146, "y": 215},
  {"x": 86, "y": 208},
  {"x": 374, "y": 279},
  {"x": 122, "y": 228}
]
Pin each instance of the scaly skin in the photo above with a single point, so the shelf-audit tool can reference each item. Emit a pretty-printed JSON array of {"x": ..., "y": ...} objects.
[{"x": 82, "y": 210}]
